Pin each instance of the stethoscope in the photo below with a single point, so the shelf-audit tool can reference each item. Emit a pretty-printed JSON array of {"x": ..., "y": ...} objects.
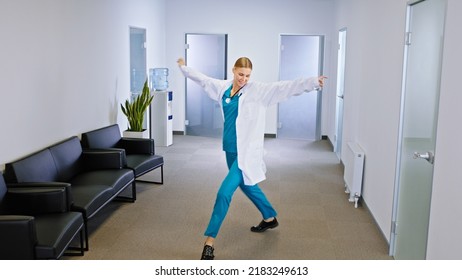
[{"x": 228, "y": 99}]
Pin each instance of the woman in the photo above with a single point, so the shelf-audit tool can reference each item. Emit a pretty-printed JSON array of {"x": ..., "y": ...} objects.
[{"x": 244, "y": 107}]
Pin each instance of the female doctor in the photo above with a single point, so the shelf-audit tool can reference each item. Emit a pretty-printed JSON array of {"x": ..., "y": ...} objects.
[{"x": 244, "y": 107}]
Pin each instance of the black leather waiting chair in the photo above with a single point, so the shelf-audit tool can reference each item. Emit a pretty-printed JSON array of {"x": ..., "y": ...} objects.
[
  {"x": 140, "y": 153},
  {"x": 96, "y": 177},
  {"x": 35, "y": 221}
]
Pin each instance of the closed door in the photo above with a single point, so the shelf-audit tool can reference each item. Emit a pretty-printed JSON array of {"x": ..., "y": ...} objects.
[
  {"x": 138, "y": 72},
  {"x": 419, "y": 114},
  {"x": 340, "y": 92},
  {"x": 299, "y": 116},
  {"x": 207, "y": 54}
]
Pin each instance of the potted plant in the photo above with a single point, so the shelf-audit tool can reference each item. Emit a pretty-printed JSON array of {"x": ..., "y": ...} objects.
[{"x": 135, "y": 113}]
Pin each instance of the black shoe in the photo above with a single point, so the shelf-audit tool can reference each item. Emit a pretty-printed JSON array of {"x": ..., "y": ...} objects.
[
  {"x": 265, "y": 225},
  {"x": 207, "y": 253}
]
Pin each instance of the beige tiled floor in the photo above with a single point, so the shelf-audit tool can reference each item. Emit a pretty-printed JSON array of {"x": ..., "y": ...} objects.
[{"x": 305, "y": 185}]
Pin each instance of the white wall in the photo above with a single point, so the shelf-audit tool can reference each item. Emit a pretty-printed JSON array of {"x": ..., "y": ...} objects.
[
  {"x": 374, "y": 56},
  {"x": 65, "y": 66},
  {"x": 444, "y": 241},
  {"x": 253, "y": 29}
]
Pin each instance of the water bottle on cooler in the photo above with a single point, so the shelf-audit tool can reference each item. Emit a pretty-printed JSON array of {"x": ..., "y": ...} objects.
[{"x": 159, "y": 80}]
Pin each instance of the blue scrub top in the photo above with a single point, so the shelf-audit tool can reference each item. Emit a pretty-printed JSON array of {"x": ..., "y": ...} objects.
[{"x": 230, "y": 111}]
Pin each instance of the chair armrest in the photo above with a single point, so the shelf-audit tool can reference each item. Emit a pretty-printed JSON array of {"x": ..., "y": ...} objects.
[
  {"x": 67, "y": 186},
  {"x": 17, "y": 237},
  {"x": 137, "y": 145},
  {"x": 37, "y": 200},
  {"x": 94, "y": 159}
]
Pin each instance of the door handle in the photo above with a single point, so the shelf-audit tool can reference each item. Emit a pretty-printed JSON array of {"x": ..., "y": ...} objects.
[{"x": 428, "y": 156}]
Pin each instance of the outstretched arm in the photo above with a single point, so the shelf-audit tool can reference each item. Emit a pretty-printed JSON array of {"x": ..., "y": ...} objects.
[
  {"x": 192, "y": 74},
  {"x": 210, "y": 85},
  {"x": 279, "y": 91}
]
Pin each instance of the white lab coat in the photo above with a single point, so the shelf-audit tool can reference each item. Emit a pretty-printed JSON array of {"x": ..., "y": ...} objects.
[{"x": 250, "y": 123}]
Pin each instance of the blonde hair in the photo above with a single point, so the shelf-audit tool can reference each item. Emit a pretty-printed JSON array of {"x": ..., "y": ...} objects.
[{"x": 243, "y": 62}]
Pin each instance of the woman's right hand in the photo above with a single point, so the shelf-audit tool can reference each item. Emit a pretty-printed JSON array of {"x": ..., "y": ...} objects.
[
  {"x": 321, "y": 80},
  {"x": 181, "y": 62}
]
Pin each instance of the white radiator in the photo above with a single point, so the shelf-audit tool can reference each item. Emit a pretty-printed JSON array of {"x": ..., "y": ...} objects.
[{"x": 353, "y": 174}]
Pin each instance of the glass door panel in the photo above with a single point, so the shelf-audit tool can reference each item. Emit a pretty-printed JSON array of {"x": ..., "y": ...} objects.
[
  {"x": 422, "y": 70},
  {"x": 340, "y": 92},
  {"x": 207, "y": 54},
  {"x": 138, "y": 71},
  {"x": 299, "y": 116}
]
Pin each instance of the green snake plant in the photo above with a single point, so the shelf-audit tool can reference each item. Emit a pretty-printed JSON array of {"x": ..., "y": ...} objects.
[{"x": 135, "y": 110}]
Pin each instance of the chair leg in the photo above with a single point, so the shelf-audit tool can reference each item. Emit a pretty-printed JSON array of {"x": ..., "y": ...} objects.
[
  {"x": 127, "y": 198},
  {"x": 85, "y": 225},
  {"x": 161, "y": 177},
  {"x": 80, "y": 249},
  {"x": 134, "y": 190}
]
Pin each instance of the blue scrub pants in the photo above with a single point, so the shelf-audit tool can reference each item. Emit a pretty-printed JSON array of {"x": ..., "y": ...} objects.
[{"x": 233, "y": 180}]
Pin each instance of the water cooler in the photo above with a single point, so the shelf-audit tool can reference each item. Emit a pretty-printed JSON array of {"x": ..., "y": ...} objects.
[
  {"x": 162, "y": 118},
  {"x": 161, "y": 108}
]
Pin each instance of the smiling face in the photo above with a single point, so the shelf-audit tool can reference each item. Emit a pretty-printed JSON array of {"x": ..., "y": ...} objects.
[
  {"x": 242, "y": 70},
  {"x": 241, "y": 76}
]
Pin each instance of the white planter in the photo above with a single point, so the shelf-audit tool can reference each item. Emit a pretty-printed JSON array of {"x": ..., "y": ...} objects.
[{"x": 136, "y": 134}]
